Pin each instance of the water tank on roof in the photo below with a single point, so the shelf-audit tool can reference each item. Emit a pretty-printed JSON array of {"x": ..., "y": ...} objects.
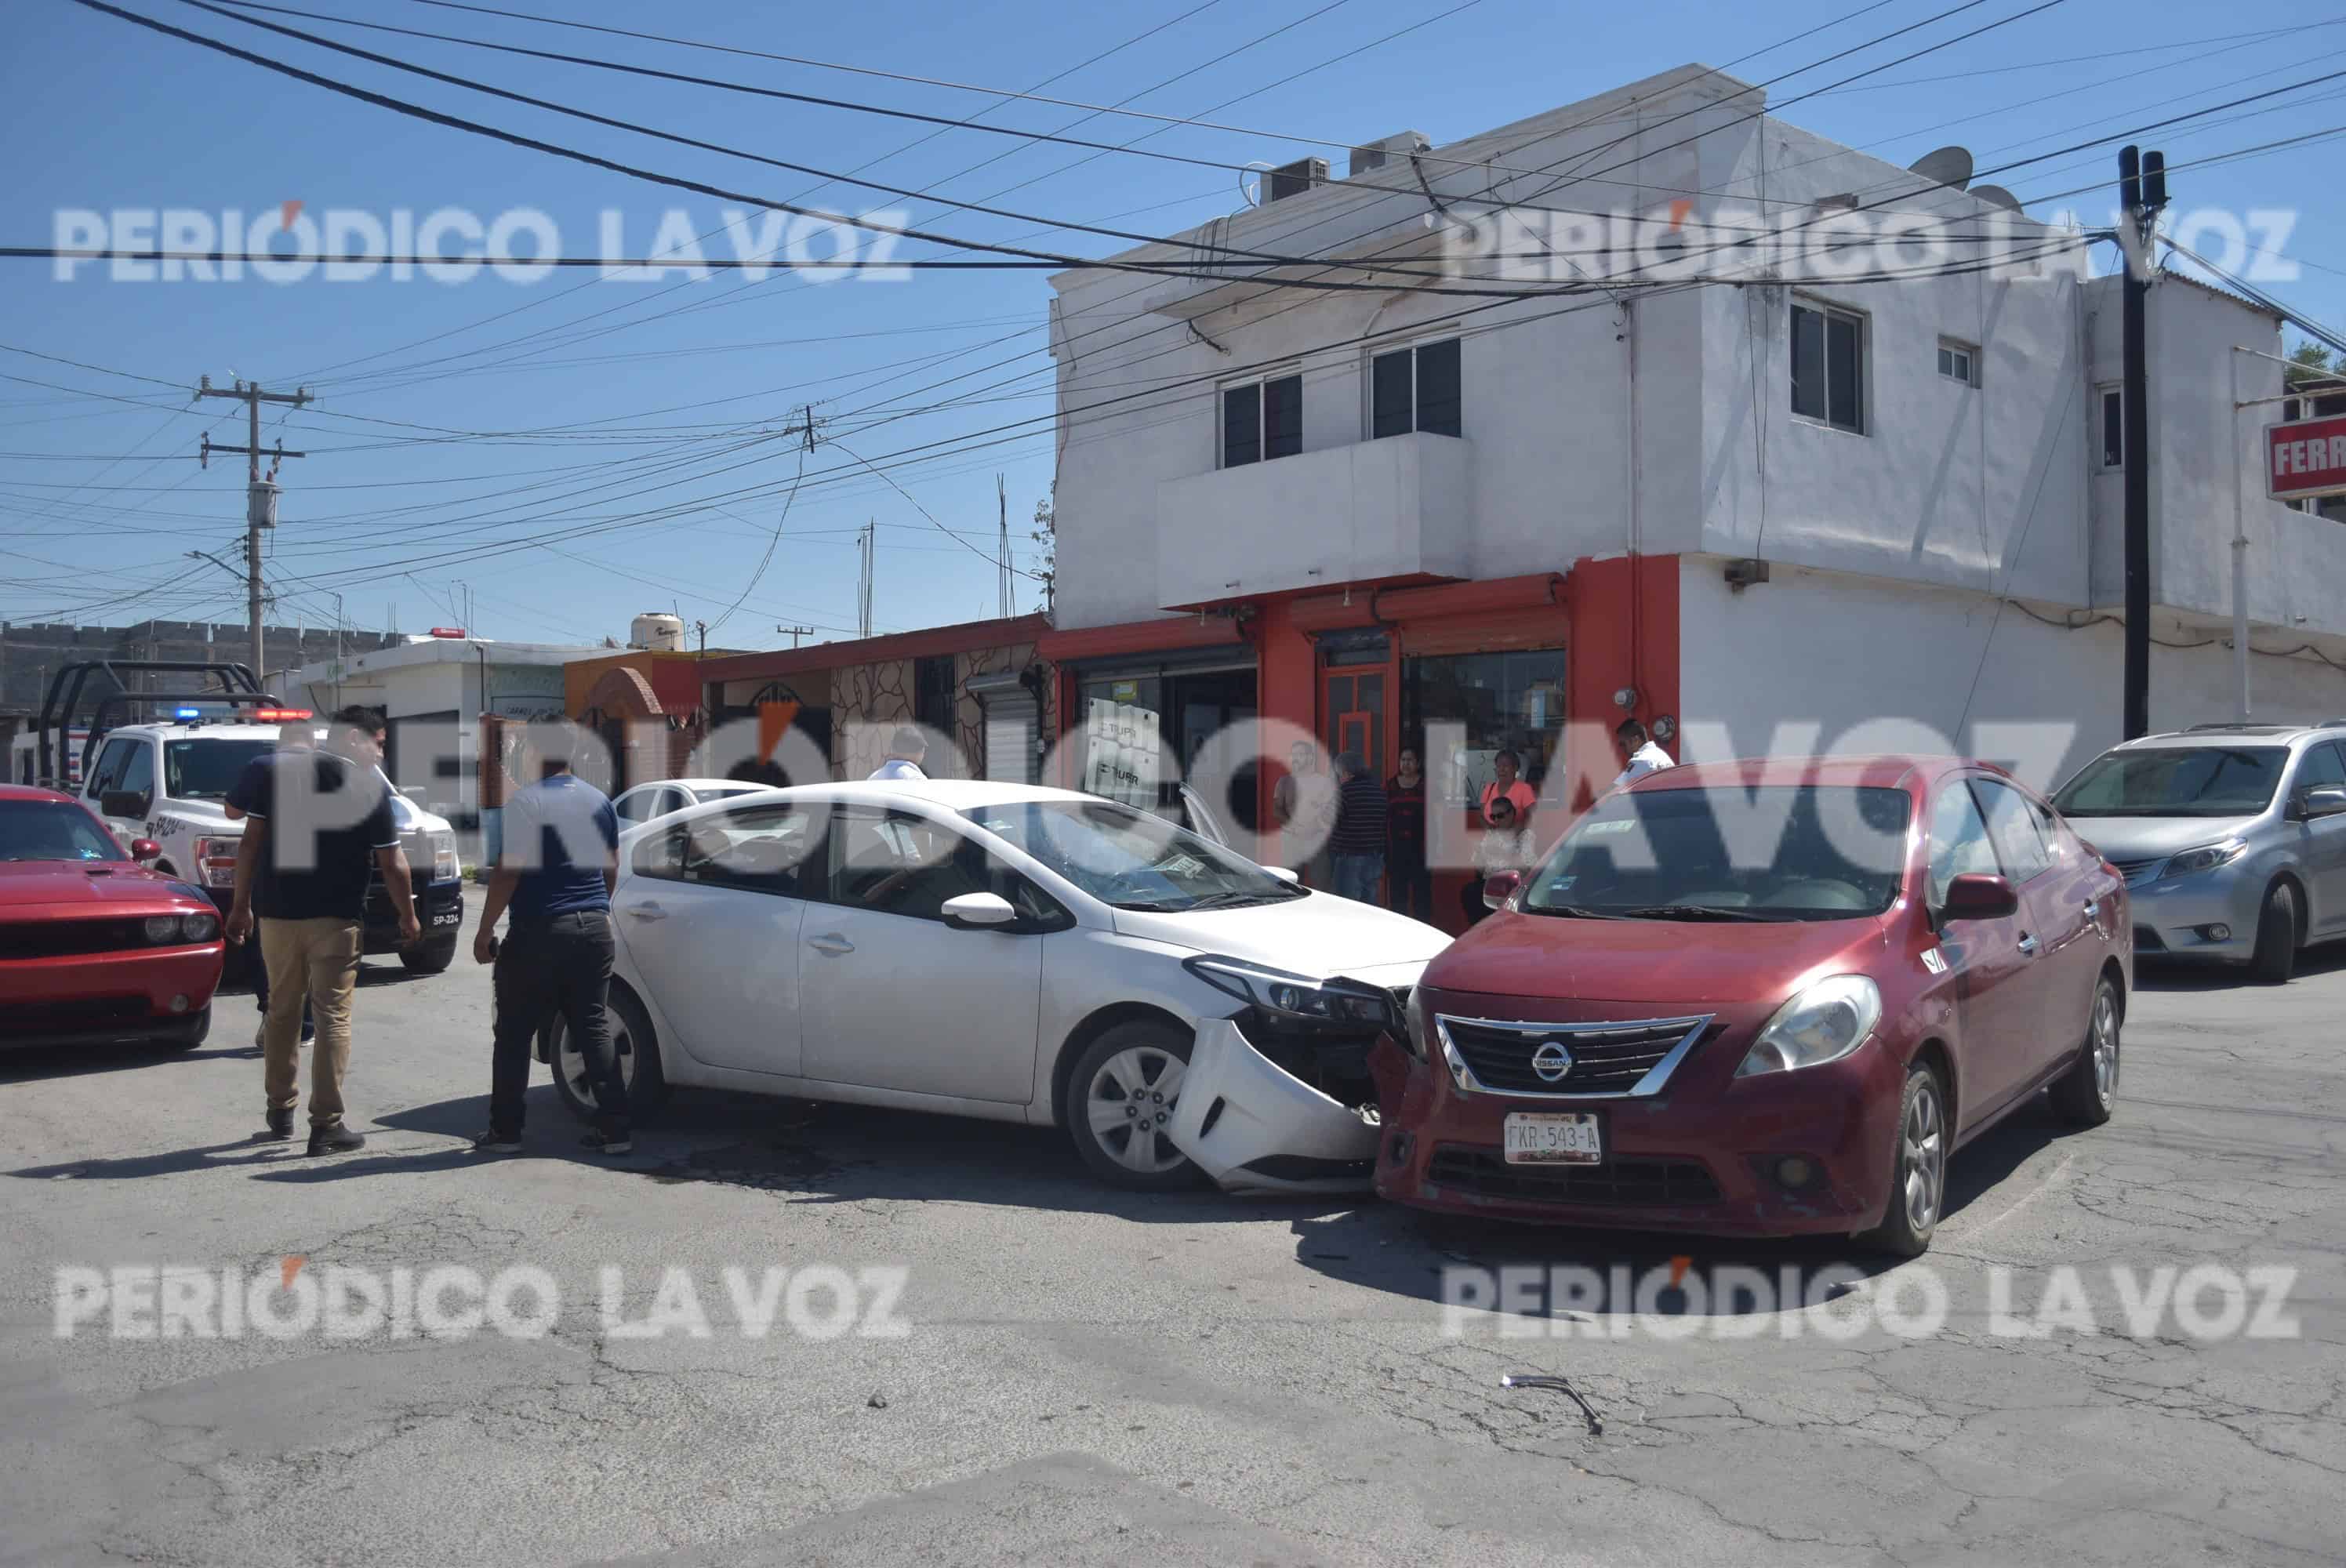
[{"x": 657, "y": 632}]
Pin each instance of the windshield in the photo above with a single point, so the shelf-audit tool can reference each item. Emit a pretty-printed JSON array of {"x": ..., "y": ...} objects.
[
  {"x": 52, "y": 830},
  {"x": 204, "y": 769},
  {"x": 2175, "y": 781},
  {"x": 1129, "y": 859},
  {"x": 1793, "y": 852}
]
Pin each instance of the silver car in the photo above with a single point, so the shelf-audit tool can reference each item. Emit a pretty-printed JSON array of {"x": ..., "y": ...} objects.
[{"x": 2232, "y": 837}]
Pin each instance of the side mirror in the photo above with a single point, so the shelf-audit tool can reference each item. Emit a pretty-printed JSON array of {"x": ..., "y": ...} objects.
[
  {"x": 122, "y": 803},
  {"x": 978, "y": 911},
  {"x": 144, "y": 850},
  {"x": 1499, "y": 887},
  {"x": 2322, "y": 800},
  {"x": 1290, "y": 877},
  {"x": 1975, "y": 895}
]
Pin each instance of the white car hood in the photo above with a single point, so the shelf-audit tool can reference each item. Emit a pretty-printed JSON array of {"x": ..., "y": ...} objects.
[{"x": 1319, "y": 935}]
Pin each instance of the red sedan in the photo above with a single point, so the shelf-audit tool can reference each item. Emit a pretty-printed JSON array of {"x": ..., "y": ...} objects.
[
  {"x": 1762, "y": 998},
  {"x": 94, "y": 946}
]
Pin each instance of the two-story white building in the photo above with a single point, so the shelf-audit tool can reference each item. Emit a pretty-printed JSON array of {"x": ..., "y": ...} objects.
[{"x": 1854, "y": 499}]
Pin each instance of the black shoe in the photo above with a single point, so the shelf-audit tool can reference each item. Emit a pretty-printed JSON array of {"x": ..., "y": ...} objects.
[
  {"x": 334, "y": 1138},
  {"x": 279, "y": 1129},
  {"x": 604, "y": 1142},
  {"x": 495, "y": 1143}
]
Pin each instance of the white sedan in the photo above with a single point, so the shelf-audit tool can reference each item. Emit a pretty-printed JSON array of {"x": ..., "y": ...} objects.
[
  {"x": 645, "y": 801},
  {"x": 1018, "y": 954}
]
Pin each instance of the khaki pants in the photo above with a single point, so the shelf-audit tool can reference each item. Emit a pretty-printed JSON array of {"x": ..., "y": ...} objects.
[{"x": 317, "y": 960}]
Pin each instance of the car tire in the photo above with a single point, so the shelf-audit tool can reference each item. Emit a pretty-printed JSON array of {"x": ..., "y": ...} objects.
[
  {"x": 2084, "y": 1096},
  {"x": 632, "y": 1037},
  {"x": 188, "y": 1034},
  {"x": 1918, "y": 1169},
  {"x": 2276, "y": 954},
  {"x": 428, "y": 958},
  {"x": 1117, "y": 1083}
]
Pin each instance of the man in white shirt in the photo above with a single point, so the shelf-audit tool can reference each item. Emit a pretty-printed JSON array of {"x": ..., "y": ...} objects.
[
  {"x": 1641, "y": 754},
  {"x": 906, "y": 751}
]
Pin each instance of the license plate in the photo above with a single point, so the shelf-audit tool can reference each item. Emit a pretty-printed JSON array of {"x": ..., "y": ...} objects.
[
  {"x": 446, "y": 919},
  {"x": 1553, "y": 1138}
]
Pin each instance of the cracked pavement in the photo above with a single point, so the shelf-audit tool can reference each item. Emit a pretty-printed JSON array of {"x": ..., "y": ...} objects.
[{"x": 1094, "y": 1377}]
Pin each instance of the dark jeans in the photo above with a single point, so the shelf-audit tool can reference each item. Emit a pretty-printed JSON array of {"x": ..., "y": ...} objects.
[
  {"x": 1409, "y": 889},
  {"x": 1470, "y": 899},
  {"x": 556, "y": 967}
]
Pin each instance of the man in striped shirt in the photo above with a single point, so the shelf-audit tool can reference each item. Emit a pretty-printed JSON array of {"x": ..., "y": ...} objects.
[{"x": 1357, "y": 848}]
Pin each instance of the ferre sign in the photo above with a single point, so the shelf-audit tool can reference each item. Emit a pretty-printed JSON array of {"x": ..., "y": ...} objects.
[{"x": 2306, "y": 458}]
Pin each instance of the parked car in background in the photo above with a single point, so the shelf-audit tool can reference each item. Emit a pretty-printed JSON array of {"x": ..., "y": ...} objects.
[
  {"x": 1007, "y": 952},
  {"x": 1763, "y": 998},
  {"x": 645, "y": 802},
  {"x": 95, "y": 947},
  {"x": 2232, "y": 837}
]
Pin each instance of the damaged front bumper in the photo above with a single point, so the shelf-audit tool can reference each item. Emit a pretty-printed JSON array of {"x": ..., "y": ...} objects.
[{"x": 1255, "y": 1128}]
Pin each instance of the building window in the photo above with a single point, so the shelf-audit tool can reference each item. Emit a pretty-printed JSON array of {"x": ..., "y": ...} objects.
[
  {"x": 2112, "y": 427},
  {"x": 1416, "y": 389},
  {"x": 1829, "y": 366},
  {"x": 1959, "y": 362},
  {"x": 1262, "y": 420},
  {"x": 1506, "y": 701}
]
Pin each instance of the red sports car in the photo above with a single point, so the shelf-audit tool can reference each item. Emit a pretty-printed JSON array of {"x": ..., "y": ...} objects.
[
  {"x": 94, "y": 946},
  {"x": 1762, "y": 998}
]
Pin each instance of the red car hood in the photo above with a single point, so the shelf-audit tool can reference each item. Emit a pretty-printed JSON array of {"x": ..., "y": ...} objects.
[
  {"x": 1675, "y": 963},
  {"x": 91, "y": 886}
]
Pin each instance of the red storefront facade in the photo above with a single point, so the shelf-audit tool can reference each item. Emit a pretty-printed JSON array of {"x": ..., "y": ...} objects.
[{"x": 1538, "y": 665}]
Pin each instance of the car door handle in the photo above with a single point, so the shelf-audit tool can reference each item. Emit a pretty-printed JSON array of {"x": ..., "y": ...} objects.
[
  {"x": 2028, "y": 944},
  {"x": 646, "y": 911},
  {"x": 831, "y": 941},
  {"x": 2093, "y": 909}
]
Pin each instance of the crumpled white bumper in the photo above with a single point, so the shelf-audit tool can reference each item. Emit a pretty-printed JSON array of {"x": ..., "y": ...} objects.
[{"x": 1264, "y": 1112}]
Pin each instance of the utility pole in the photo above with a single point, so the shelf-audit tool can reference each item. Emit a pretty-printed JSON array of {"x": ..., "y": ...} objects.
[
  {"x": 261, "y": 495},
  {"x": 1002, "y": 502},
  {"x": 2142, "y": 191},
  {"x": 867, "y": 549},
  {"x": 796, "y": 633}
]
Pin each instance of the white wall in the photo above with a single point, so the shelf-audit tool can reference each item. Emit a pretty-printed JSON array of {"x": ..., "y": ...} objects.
[
  {"x": 1853, "y": 660},
  {"x": 1972, "y": 486}
]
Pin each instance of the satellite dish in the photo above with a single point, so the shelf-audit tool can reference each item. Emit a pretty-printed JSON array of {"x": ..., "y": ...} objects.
[
  {"x": 1996, "y": 195},
  {"x": 1948, "y": 166}
]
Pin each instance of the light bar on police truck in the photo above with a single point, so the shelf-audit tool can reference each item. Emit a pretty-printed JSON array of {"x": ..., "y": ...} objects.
[{"x": 280, "y": 714}]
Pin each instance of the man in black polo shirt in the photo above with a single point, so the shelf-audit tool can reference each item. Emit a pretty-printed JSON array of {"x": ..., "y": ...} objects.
[
  {"x": 559, "y": 863},
  {"x": 318, "y": 825}
]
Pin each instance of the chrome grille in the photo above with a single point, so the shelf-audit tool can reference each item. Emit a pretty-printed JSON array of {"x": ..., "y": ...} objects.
[
  {"x": 2138, "y": 871},
  {"x": 1605, "y": 1060}
]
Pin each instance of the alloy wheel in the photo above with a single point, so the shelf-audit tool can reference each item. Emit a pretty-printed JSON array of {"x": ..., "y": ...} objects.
[
  {"x": 1923, "y": 1147},
  {"x": 2105, "y": 1044},
  {"x": 1129, "y": 1101},
  {"x": 571, "y": 1060}
]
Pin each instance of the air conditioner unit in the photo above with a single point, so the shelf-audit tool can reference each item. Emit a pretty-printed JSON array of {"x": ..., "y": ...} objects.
[
  {"x": 1378, "y": 153},
  {"x": 1294, "y": 178}
]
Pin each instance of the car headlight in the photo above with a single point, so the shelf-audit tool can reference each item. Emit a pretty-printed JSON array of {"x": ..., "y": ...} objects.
[
  {"x": 1823, "y": 1023},
  {"x": 1416, "y": 1034},
  {"x": 2206, "y": 858},
  {"x": 162, "y": 930},
  {"x": 445, "y": 868},
  {"x": 1297, "y": 999},
  {"x": 197, "y": 927}
]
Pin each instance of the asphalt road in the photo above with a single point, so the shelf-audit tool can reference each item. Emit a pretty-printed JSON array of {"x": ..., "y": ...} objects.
[{"x": 1088, "y": 1377}]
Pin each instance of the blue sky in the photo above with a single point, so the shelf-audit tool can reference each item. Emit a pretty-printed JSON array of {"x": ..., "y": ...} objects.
[{"x": 634, "y": 400}]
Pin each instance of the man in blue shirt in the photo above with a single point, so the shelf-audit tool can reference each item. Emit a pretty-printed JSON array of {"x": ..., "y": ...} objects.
[{"x": 555, "y": 876}]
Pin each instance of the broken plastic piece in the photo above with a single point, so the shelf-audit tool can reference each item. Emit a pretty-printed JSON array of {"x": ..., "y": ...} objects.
[{"x": 1545, "y": 1380}]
